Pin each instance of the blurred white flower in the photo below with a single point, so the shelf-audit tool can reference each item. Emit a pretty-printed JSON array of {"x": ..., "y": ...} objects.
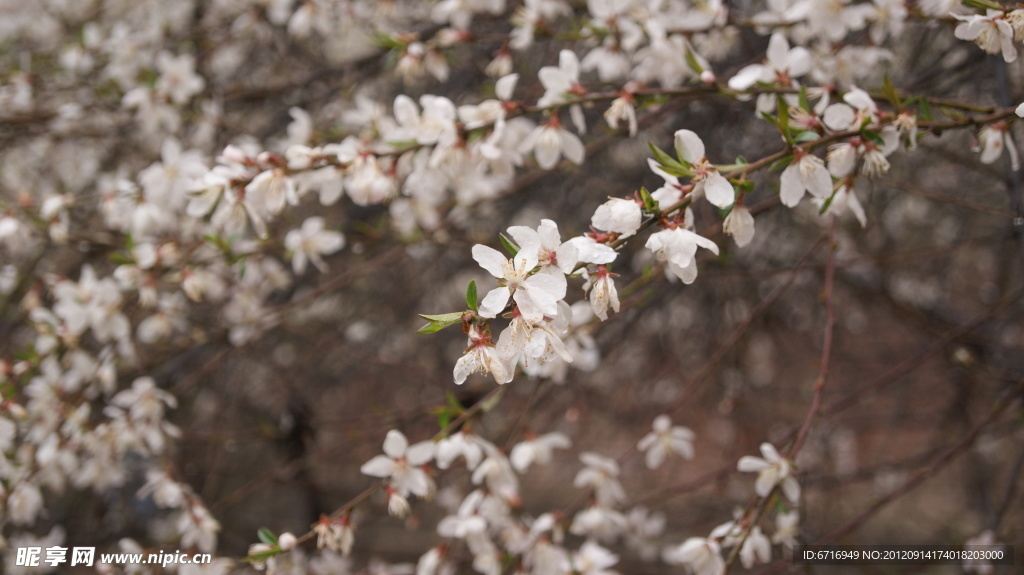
[
  {"x": 772, "y": 470},
  {"x": 665, "y": 439},
  {"x": 401, "y": 463}
]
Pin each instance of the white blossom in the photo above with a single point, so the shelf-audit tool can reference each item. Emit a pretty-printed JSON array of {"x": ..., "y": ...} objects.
[
  {"x": 308, "y": 243},
  {"x": 772, "y": 470},
  {"x": 702, "y": 556},
  {"x": 400, "y": 464},
  {"x": 677, "y": 247},
  {"x": 619, "y": 216},
  {"x": 991, "y": 32},
  {"x": 537, "y": 450},
  {"x": 665, "y": 439},
  {"x": 806, "y": 174}
]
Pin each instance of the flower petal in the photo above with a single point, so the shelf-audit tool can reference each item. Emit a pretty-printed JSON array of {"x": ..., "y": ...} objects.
[
  {"x": 689, "y": 146},
  {"x": 395, "y": 444},
  {"x": 490, "y": 259},
  {"x": 379, "y": 466},
  {"x": 494, "y": 302}
]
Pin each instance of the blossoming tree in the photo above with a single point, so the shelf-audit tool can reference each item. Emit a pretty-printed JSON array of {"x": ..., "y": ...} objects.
[{"x": 639, "y": 241}]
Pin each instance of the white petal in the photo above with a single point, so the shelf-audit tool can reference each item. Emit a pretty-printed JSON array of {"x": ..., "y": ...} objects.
[
  {"x": 548, "y": 233},
  {"x": 548, "y": 150},
  {"x": 749, "y": 463},
  {"x": 819, "y": 181},
  {"x": 719, "y": 191},
  {"x": 405, "y": 111},
  {"x": 839, "y": 117},
  {"x": 490, "y": 259},
  {"x": 792, "y": 489},
  {"x": 769, "y": 453},
  {"x": 778, "y": 51},
  {"x": 420, "y": 453},
  {"x": 800, "y": 62},
  {"x": 689, "y": 146},
  {"x": 395, "y": 444},
  {"x": 765, "y": 483},
  {"x": 593, "y": 252},
  {"x": 748, "y": 76},
  {"x": 572, "y": 147},
  {"x": 524, "y": 235},
  {"x": 379, "y": 466},
  {"x": 494, "y": 302},
  {"x": 569, "y": 64},
  {"x": 504, "y": 87},
  {"x": 791, "y": 188},
  {"x": 522, "y": 456}
]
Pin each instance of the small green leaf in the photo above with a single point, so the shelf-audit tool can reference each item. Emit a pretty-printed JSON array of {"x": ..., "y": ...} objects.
[
  {"x": 509, "y": 245},
  {"x": 693, "y": 63},
  {"x": 439, "y": 322},
  {"x": 782, "y": 118},
  {"x": 780, "y": 164},
  {"x": 826, "y": 204},
  {"x": 807, "y": 136},
  {"x": 402, "y": 144},
  {"x": 493, "y": 402},
  {"x": 453, "y": 403},
  {"x": 678, "y": 168},
  {"x": 982, "y": 4},
  {"x": 385, "y": 40},
  {"x": 890, "y": 93},
  {"x": 805, "y": 104},
  {"x": 267, "y": 536},
  {"x": 660, "y": 156},
  {"x": 874, "y": 137},
  {"x": 263, "y": 555},
  {"x": 650, "y": 204},
  {"x": 924, "y": 109},
  {"x": 120, "y": 258},
  {"x": 471, "y": 298}
]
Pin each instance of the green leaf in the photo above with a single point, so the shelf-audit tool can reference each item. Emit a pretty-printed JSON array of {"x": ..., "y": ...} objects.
[
  {"x": 826, "y": 204},
  {"x": 120, "y": 258},
  {"x": 805, "y": 104},
  {"x": 388, "y": 41},
  {"x": 782, "y": 118},
  {"x": 493, "y": 402},
  {"x": 678, "y": 168},
  {"x": 453, "y": 403},
  {"x": 890, "y": 93},
  {"x": 267, "y": 536},
  {"x": 982, "y": 4},
  {"x": 874, "y": 137},
  {"x": 924, "y": 109},
  {"x": 509, "y": 245},
  {"x": 807, "y": 136},
  {"x": 471, "y": 298},
  {"x": 402, "y": 144},
  {"x": 649, "y": 202},
  {"x": 439, "y": 322},
  {"x": 263, "y": 555},
  {"x": 780, "y": 164},
  {"x": 693, "y": 63}
]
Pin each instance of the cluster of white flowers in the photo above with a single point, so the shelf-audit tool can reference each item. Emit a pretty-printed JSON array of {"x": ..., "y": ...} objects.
[{"x": 189, "y": 229}]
